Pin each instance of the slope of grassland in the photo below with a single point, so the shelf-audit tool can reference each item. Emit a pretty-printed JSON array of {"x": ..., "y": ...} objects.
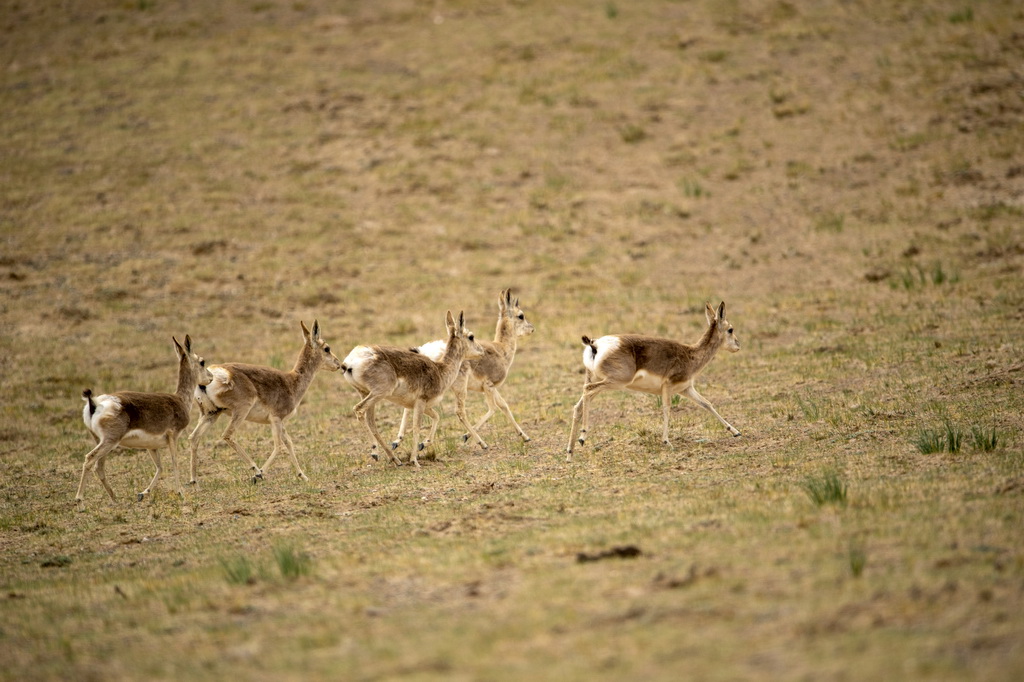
[{"x": 847, "y": 176}]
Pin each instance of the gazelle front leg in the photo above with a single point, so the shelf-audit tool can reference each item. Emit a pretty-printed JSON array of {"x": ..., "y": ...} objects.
[
  {"x": 417, "y": 415},
  {"x": 692, "y": 394},
  {"x": 237, "y": 418},
  {"x": 283, "y": 440},
  {"x": 401, "y": 429},
  {"x": 460, "y": 412},
  {"x": 205, "y": 422},
  {"x": 155, "y": 455},
  {"x": 666, "y": 397},
  {"x": 497, "y": 399}
]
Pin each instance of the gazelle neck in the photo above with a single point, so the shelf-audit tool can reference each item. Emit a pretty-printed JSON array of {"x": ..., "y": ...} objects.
[
  {"x": 451, "y": 362},
  {"x": 305, "y": 368},
  {"x": 707, "y": 346},
  {"x": 505, "y": 334},
  {"x": 186, "y": 380}
]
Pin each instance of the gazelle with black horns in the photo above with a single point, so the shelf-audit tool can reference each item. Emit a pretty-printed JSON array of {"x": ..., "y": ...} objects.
[
  {"x": 144, "y": 421},
  {"x": 263, "y": 395},
  {"x": 650, "y": 365}
]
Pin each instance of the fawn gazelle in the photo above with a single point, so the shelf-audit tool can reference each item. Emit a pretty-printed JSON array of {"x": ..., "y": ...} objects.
[
  {"x": 650, "y": 365},
  {"x": 144, "y": 421},
  {"x": 263, "y": 395},
  {"x": 486, "y": 373},
  {"x": 409, "y": 379}
]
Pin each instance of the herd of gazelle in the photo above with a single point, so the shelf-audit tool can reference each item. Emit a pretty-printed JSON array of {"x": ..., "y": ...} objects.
[{"x": 414, "y": 378}]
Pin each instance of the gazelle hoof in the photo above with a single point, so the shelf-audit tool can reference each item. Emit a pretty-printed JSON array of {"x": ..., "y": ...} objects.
[
  {"x": 421, "y": 447},
  {"x": 465, "y": 438},
  {"x": 303, "y": 476},
  {"x": 376, "y": 457},
  {"x": 140, "y": 497},
  {"x": 394, "y": 445},
  {"x": 580, "y": 441}
]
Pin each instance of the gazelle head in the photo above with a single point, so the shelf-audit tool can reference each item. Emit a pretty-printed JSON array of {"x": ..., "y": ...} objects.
[
  {"x": 458, "y": 334},
  {"x": 510, "y": 309},
  {"x": 197, "y": 364},
  {"x": 725, "y": 330},
  {"x": 324, "y": 357}
]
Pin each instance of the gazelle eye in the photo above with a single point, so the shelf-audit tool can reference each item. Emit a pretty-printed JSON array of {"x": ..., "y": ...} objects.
[
  {"x": 522, "y": 317},
  {"x": 202, "y": 362},
  {"x": 327, "y": 349},
  {"x": 730, "y": 330},
  {"x": 470, "y": 337}
]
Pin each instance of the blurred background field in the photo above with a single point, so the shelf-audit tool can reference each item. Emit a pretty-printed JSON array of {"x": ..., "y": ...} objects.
[{"x": 846, "y": 175}]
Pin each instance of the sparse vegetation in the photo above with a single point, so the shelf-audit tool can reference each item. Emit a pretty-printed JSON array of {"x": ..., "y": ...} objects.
[
  {"x": 858, "y": 559},
  {"x": 951, "y": 438},
  {"x": 291, "y": 561},
  {"x": 985, "y": 439},
  {"x": 825, "y": 488},
  {"x": 228, "y": 169},
  {"x": 238, "y": 570}
]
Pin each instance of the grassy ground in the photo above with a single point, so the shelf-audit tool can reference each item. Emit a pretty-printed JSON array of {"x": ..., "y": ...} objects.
[{"x": 847, "y": 176}]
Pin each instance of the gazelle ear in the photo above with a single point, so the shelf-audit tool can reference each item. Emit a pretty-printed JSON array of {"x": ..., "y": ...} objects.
[
  {"x": 305, "y": 331},
  {"x": 462, "y": 321},
  {"x": 316, "y": 330},
  {"x": 188, "y": 343},
  {"x": 709, "y": 313},
  {"x": 449, "y": 322},
  {"x": 503, "y": 301},
  {"x": 721, "y": 311},
  {"x": 177, "y": 347}
]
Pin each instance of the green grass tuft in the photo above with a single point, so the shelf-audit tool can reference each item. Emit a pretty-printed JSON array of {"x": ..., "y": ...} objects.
[
  {"x": 857, "y": 558},
  {"x": 984, "y": 440},
  {"x": 826, "y": 488},
  {"x": 292, "y": 562},
  {"x": 238, "y": 570}
]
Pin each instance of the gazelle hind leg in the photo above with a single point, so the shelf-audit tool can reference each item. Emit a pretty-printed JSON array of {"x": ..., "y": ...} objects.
[
  {"x": 92, "y": 458},
  {"x": 101, "y": 474},
  {"x": 579, "y": 413},
  {"x": 368, "y": 412}
]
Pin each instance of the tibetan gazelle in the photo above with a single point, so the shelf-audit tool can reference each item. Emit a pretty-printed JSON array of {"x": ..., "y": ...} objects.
[
  {"x": 650, "y": 364},
  {"x": 487, "y": 373},
  {"x": 409, "y": 379},
  {"x": 143, "y": 421},
  {"x": 263, "y": 395}
]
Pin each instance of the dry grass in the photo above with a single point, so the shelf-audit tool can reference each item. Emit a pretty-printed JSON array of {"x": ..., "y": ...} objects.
[{"x": 847, "y": 177}]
